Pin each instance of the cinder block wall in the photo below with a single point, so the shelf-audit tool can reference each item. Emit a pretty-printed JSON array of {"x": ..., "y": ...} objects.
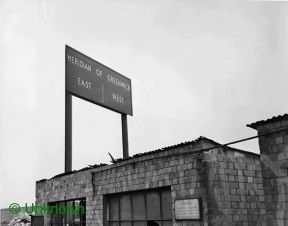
[
  {"x": 90, "y": 183},
  {"x": 182, "y": 172},
  {"x": 227, "y": 180},
  {"x": 274, "y": 163},
  {"x": 234, "y": 188},
  {"x": 73, "y": 186}
]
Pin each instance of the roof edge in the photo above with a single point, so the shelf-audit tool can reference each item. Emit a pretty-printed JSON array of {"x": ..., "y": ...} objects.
[
  {"x": 183, "y": 144},
  {"x": 270, "y": 120}
]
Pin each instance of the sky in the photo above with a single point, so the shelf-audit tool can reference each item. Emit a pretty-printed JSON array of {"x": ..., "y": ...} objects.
[{"x": 198, "y": 68}]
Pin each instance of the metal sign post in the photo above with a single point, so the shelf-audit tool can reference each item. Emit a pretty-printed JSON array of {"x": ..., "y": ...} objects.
[
  {"x": 98, "y": 84},
  {"x": 68, "y": 131},
  {"x": 125, "y": 136}
]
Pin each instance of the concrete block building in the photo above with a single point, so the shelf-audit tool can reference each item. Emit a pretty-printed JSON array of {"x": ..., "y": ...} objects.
[
  {"x": 273, "y": 143},
  {"x": 224, "y": 182},
  {"x": 195, "y": 183}
]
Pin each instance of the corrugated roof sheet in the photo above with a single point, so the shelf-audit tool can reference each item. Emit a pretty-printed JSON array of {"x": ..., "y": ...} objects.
[
  {"x": 183, "y": 144},
  {"x": 201, "y": 138},
  {"x": 273, "y": 119}
]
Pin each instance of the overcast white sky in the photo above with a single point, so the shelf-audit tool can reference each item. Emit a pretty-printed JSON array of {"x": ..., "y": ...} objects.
[{"x": 197, "y": 68}]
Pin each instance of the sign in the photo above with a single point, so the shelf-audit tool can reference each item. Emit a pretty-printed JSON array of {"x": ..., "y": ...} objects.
[
  {"x": 94, "y": 82},
  {"x": 187, "y": 209}
]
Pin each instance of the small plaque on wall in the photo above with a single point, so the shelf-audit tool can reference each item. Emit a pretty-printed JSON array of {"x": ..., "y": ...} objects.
[{"x": 188, "y": 209}]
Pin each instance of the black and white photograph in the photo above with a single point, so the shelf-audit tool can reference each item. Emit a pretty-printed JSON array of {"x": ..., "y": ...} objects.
[{"x": 143, "y": 113}]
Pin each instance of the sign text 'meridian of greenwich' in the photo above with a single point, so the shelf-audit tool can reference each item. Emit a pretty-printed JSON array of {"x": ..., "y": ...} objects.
[{"x": 92, "y": 81}]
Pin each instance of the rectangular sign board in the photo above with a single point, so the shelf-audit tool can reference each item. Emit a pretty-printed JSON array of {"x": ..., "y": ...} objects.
[
  {"x": 187, "y": 209},
  {"x": 93, "y": 81}
]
